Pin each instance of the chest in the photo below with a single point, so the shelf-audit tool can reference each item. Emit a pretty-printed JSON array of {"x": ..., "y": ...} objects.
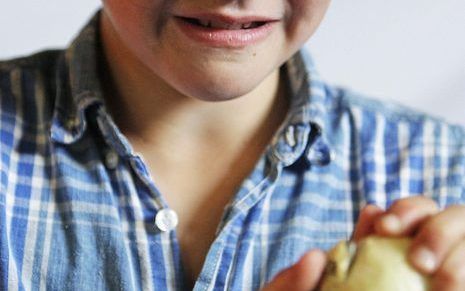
[
  {"x": 105, "y": 235},
  {"x": 100, "y": 230},
  {"x": 199, "y": 202},
  {"x": 198, "y": 190}
]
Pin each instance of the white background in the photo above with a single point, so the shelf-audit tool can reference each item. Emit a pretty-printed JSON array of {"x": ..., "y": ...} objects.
[{"x": 410, "y": 51}]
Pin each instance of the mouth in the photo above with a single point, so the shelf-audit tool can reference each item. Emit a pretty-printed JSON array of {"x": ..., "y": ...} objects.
[
  {"x": 222, "y": 24},
  {"x": 222, "y": 31}
]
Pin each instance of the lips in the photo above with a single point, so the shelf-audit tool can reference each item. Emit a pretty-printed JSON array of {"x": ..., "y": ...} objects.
[
  {"x": 220, "y": 24},
  {"x": 225, "y": 31}
]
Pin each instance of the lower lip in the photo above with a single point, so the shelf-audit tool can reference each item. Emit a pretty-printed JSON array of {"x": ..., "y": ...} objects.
[{"x": 226, "y": 38}]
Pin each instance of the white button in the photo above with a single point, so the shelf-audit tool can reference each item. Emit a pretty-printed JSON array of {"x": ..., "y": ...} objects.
[
  {"x": 111, "y": 159},
  {"x": 166, "y": 219}
]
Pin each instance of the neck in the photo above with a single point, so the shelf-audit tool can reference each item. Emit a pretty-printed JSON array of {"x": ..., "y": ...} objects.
[{"x": 149, "y": 111}]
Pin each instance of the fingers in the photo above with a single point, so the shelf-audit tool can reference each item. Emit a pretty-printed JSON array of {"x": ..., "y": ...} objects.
[
  {"x": 451, "y": 275},
  {"x": 438, "y": 246},
  {"x": 366, "y": 221},
  {"x": 304, "y": 275},
  {"x": 405, "y": 216},
  {"x": 437, "y": 238}
]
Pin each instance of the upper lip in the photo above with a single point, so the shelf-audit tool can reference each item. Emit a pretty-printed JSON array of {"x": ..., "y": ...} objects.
[{"x": 227, "y": 19}]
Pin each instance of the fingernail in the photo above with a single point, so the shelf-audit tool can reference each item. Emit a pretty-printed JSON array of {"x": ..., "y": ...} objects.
[
  {"x": 391, "y": 223},
  {"x": 424, "y": 259}
]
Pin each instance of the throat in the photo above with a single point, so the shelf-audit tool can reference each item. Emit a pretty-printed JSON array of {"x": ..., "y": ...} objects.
[{"x": 198, "y": 179}]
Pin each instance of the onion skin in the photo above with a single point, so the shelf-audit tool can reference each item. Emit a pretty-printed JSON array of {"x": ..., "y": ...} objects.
[{"x": 378, "y": 264}]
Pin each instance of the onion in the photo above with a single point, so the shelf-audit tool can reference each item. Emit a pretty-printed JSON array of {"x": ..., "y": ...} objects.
[{"x": 376, "y": 263}]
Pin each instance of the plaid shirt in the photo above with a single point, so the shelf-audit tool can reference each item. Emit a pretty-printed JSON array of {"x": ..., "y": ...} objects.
[{"x": 78, "y": 206}]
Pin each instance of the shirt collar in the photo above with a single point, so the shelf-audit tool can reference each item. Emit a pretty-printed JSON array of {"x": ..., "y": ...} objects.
[
  {"x": 309, "y": 90},
  {"x": 303, "y": 131},
  {"x": 78, "y": 85},
  {"x": 79, "y": 88}
]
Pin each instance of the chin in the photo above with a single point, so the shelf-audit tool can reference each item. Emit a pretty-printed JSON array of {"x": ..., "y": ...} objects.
[
  {"x": 220, "y": 88},
  {"x": 219, "y": 93}
]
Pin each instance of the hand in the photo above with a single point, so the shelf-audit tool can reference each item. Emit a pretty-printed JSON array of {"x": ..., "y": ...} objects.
[
  {"x": 303, "y": 275},
  {"x": 438, "y": 246}
]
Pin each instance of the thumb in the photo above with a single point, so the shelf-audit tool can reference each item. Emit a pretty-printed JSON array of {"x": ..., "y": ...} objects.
[{"x": 303, "y": 275}]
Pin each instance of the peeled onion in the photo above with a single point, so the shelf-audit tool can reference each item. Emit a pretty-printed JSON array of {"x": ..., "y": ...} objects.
[{"x": 374, "y": 264}]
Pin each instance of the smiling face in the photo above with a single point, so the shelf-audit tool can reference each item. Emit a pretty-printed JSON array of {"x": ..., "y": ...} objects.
[{"x": 213, "y": 49}]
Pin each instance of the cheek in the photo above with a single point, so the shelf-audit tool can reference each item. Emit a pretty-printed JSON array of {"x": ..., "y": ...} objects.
[
  {"x": 135, "y": 25},
  {"x": 300, "y": 5},
  {"x": 136, "y": 16},
  {"x": 303, "y": 17}
]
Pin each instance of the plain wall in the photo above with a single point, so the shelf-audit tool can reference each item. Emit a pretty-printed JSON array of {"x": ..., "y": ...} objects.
[{"x": 412, "y": 52}]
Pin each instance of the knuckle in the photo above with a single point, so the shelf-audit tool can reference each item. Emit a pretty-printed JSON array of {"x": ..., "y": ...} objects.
[
  {"x": 446, "y": 278},
  {"x": 425, "y": 203},
  {"x": 417, "y": 202},
  {"x": 400, "y": 203},
  {"x": 459, "y": 209},
  {"x": 434, "y": 234},
  {"x": 446, "y": 225},
  {"x": 400, "y": 206}
]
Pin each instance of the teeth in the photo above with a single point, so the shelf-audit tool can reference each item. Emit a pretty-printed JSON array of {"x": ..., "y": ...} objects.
[
  {"x": 224, "y": 25},
  {"x": 231, "y": 26},
  {"x": 235, "y": 26},
  {"x": 247, "y": 25}
]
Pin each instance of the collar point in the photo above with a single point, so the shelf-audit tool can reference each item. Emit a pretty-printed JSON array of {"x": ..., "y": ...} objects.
[{"x": 67, "y": 132}]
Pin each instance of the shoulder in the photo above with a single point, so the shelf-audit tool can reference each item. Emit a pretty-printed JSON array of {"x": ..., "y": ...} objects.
[
  {"x": 40, "y": 59},
  {"x": 370, "y": 117},
  {"x": 42, "y": 66},
  {"x": 28, "y": 86},
  {"x": 416, "y": 153}
]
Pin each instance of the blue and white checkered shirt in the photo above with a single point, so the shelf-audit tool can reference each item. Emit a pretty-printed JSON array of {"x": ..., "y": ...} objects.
[{"x": 77, "y": 205}]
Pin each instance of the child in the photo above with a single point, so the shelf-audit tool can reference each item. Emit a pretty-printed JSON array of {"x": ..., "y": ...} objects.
[{"x": 249, "y": 159}]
